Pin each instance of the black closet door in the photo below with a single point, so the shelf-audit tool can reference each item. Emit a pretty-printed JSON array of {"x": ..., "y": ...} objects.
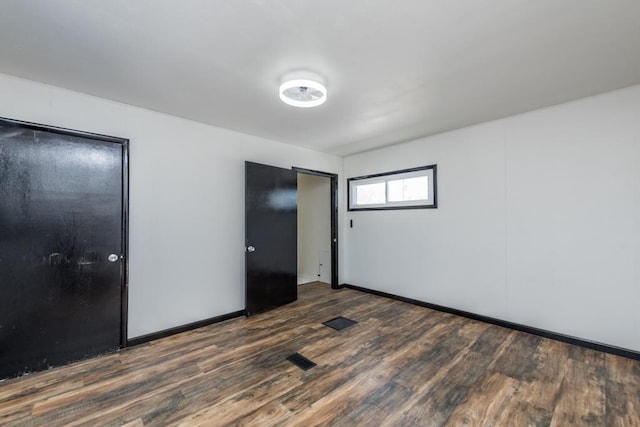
[
  {"x": 271, "y": 254},
  {"x": 61, "y": 247}
]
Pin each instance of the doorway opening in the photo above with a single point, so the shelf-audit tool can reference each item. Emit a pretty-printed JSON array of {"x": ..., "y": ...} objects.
[{"x": 317, "y": 227}]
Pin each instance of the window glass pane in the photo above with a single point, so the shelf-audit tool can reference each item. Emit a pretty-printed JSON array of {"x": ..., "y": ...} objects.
[
  {"x": 401, "y": 190},
  {"x": 416, "y": 188},
  {"x": 370, "y": 194}
]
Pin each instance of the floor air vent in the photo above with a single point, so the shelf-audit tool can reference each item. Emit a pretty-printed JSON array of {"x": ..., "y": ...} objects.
[
  {"x": 339, "y": 323},
  {"x": 300, "y": 361}
]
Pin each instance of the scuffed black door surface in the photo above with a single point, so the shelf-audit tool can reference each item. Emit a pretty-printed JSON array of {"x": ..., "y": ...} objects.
[
  {"x": 60, "y": 219},
  {"x": 271, "y": 228}
]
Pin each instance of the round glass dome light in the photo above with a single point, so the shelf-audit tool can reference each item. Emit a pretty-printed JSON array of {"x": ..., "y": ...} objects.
[{"x": 303, "y": 93}]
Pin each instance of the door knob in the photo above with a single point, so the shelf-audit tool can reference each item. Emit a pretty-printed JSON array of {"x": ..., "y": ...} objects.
[
  {"x": 251, "y": 249},
  {"x": 113, "y": 257}
]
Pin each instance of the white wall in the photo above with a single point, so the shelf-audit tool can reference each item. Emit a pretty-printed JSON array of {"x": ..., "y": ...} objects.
[
  {"x": 538, "y": 221},
  {"x": 186, "y": 199},
  {"x": 314, "y": 224}
]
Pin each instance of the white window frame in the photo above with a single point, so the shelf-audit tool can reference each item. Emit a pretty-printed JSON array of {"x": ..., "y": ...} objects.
[{"x": 430, "y": 203}]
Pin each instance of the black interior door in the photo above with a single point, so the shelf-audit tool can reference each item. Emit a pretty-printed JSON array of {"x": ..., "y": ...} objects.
[
  {"x": 61, "y": 247},
  {"x": 270, "y": 237}
]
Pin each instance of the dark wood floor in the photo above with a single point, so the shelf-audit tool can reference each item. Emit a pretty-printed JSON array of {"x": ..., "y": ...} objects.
[{"x": 400, "y": 365}]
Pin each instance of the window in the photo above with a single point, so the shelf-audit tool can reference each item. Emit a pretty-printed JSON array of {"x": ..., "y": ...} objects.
[{"x": 404, "y": 189}]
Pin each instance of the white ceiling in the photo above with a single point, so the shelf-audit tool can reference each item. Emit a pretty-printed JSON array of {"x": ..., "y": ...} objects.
[{"x": 395, "y": 69}]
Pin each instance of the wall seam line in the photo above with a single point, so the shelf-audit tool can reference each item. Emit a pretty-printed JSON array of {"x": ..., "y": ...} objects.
[{"x": 506, "y": 266}]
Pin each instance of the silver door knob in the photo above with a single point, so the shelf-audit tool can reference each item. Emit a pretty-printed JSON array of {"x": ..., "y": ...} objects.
[
  {"x": 251, "y": 249},
  {"x": 113, "y": 257}
]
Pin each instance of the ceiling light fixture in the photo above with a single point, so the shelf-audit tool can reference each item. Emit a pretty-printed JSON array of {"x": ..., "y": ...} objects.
[{"x": 303, "y": 93}]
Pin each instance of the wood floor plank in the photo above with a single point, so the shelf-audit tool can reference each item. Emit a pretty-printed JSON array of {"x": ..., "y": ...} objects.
[
  {"x": 399, "y": 365},
  {"x": 486, "y": 403},
  {"x": 438, "y": 398},
  {"x": 534, "y": 402},
  {"x": 520, "y": 361},
  {"x": 582, "y": 397}
]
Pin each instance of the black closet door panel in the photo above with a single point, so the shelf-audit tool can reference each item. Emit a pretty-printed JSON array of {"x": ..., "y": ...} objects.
[
  {"x": 271, "y": 215},
  {"x": 60, "y": 219}
]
